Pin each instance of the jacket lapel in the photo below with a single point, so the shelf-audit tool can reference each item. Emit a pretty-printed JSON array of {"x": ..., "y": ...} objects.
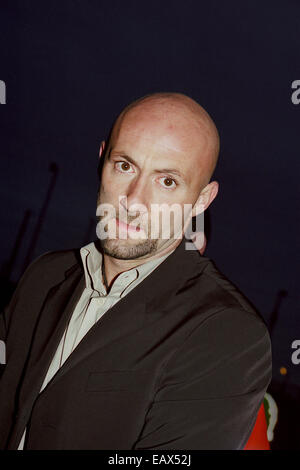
[{"x": 57, "y": 309}]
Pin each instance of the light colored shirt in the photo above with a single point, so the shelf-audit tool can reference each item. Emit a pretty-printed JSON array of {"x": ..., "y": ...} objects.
[{"x": 94, "y": 302}]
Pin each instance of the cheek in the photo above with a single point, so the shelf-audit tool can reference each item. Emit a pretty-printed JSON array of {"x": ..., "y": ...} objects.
[
  {"x": 177, "y": 197},
  {"x": 111, "y": 180},
  {"x": 111, "y": 188},
  {"x": 189, "y": 197},
  {"x": 107, "y": 182}
]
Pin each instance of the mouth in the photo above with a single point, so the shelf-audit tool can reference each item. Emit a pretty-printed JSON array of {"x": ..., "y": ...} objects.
[{"x": 127, "y": 227}]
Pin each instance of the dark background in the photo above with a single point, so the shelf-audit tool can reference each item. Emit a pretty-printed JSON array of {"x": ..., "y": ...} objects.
[{"x": 71, "y": 66}]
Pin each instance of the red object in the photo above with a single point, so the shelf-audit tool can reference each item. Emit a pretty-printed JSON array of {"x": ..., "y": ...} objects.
[{"x": 258, "y": 439}]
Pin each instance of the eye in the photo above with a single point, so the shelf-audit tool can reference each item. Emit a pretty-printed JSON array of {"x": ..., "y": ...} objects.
[
  {"x": 123, "y": 166},
  {"x": 169, "y": 183}
]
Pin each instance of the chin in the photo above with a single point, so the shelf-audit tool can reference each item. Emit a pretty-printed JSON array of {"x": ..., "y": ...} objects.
[{"x": 121, "y": 249}]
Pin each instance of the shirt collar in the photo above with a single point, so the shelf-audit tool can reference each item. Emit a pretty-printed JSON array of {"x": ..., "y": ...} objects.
[{"x": 92, "y": 260}]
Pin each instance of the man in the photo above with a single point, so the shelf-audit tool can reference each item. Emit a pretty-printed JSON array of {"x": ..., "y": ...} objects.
[{"x": 136, "y": 342}]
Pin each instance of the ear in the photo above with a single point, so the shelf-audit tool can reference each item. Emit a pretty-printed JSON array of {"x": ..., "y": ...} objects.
[
  {"x": 205, "y": 198},
  {"x": 102, "y": 147}
]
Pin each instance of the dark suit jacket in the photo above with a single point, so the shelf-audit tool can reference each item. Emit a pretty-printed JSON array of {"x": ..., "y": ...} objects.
[{"x": 181, "y": 362}]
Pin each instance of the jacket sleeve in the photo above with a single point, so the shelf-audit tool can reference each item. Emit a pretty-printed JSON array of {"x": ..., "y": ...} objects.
[
  {"x": 2, "y": 341},
  {"x": 2, "y": 325},
  {"x": 25, "y": 286},
  {"x": 211, "y": 390}
]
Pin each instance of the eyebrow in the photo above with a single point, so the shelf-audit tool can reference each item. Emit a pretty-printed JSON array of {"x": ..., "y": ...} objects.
[{"x": 173, "y": 171}]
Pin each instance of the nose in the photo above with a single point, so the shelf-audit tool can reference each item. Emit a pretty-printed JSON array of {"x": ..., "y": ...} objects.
[{"x": 137, "y": 195}]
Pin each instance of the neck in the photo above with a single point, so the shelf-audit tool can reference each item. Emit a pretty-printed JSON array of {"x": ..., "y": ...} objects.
[{"x": 112, "y": 267}]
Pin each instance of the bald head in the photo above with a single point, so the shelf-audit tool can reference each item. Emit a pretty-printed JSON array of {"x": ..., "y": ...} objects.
[{"x": 180, "y": 115}]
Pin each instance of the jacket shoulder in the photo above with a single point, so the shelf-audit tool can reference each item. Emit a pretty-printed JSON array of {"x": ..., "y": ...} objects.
[
  {"x": 224, "y": 294},
  {"x": 42, "y": 274},
  {"x": 50, "y": 266}
]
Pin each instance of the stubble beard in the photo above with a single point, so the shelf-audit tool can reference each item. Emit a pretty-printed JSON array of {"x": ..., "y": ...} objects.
[{"x": 122, "y": 249}]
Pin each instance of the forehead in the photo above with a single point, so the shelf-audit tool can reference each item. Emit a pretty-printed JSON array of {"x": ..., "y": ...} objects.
[
  {"x": 160, "y": 121},
  {"x": 159, "y": 133}
]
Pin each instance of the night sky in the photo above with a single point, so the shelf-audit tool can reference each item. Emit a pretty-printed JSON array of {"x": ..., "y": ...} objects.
[{"x": 71, "y": 66}]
